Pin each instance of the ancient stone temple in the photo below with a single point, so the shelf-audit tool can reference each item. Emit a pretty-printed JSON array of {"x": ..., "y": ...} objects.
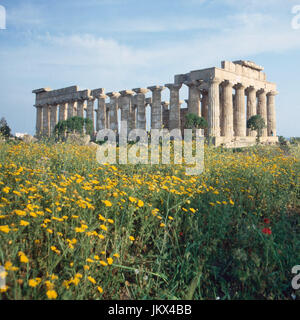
[{"x": 226, "y": 97}]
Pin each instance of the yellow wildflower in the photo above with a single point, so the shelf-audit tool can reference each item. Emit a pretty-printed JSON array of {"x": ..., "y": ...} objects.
[
  {"x": 24, "y": 223},
  {"x": 140, "y": 203},
  {"x": 51, "y": 294},
  {"x": 5, "y": 229},
  {"x": 100, "y": 289},
  {"x": 92, "y": 280}
]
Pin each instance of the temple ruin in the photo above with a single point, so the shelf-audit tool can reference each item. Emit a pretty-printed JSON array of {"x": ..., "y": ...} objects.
[{"x": 226, "y": 97}]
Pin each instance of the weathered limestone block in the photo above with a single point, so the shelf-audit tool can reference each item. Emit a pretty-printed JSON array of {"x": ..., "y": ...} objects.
[
  {"x": 27, "y": 138},
  {"x": 78, "y": 139}
]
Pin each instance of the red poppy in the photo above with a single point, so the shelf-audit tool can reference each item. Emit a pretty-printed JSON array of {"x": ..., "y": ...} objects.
[
  {"x": 266, "y": 231},
  {"x": 267, "y": 221},
  {"x": 180, "y": 234}
]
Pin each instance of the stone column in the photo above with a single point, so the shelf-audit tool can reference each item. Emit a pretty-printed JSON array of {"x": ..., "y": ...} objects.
[
  {"x": 126, "y": 109},
  {"x": 80, "y": 108},
  {"x": 63, "y": 111},
  {"x": 71, "y": 109},
  {"x": 39, "y": 120},
  {"x": 227, "y": 119},
  {"x": 204, "y": 107},
  {"x": 165, "y": 105},
  {"x": 214, "y": 108},
  {"x": 262, "y": 109},
  {"x": 194, "y": 98},
  {"x": 251, "y": 107},
  {"x": 107, "y": 122},
  {"x": 113, "y": 110},
  {"x": 156, "y": 108},
  {"x": 271, "y": 113},
  {"x": 239, "y": 115},
  {"x": 53, "y": 118},
  {"x": 90, "y": 111},
  {"x": 101, "y": 112},
  {"x": 174, "y": 112},
  {"x": 46, "y": 120},
  {"x": 141, "y": 108}
]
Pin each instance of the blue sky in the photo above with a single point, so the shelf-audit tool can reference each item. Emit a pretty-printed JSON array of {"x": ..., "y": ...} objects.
[{"x": 124, "y": 44}]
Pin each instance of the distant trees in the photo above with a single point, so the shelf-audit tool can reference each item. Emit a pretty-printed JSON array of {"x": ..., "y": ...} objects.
[
  {"x": 195, "y": 122},
  {"x": 74, "y": 125},
  {"x": 256, "y": 123},
  {"x": 5, "y": 130}
]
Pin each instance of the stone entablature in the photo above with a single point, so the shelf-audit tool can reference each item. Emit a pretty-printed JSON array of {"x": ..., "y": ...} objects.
[{"x": 226, "y": 97}]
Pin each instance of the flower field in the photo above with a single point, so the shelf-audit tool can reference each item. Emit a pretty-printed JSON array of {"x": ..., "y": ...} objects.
[{"x": 73, "y": 229}]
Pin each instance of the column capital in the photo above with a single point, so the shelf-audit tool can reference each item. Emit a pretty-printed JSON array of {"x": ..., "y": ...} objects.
[
  {"x": 113, "y": 94},
  {"x": 173, "y": 86},
  {"x": 125, "y": 93},
  {"x": 156, "y": 88},
  {"x": 261, "y": 91},
  {"x": 98, "y": 92},
  {"x": 239, "y": 86},
  {"x": 227, "y": 83},
  {"x": 102, "y": 96},
  {"x": 214, "y": 81},
  {"x": 194, "y": 83},
  {"x": 250, "y": 89},
  {"x": 90, "y": 98},
  {"x": 272, "y": 93},
  {"x": 140, "y": 90}
]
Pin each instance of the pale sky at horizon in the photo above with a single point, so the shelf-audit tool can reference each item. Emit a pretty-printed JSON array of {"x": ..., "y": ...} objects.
[{"x": 125, "y": 44}]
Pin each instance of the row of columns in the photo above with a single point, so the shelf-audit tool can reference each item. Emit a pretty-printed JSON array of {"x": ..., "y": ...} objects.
[{"x": 225, "y": 112}]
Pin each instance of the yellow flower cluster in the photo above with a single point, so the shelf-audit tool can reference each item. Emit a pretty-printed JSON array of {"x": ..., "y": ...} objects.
[{"x": 61, "y": 212}]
